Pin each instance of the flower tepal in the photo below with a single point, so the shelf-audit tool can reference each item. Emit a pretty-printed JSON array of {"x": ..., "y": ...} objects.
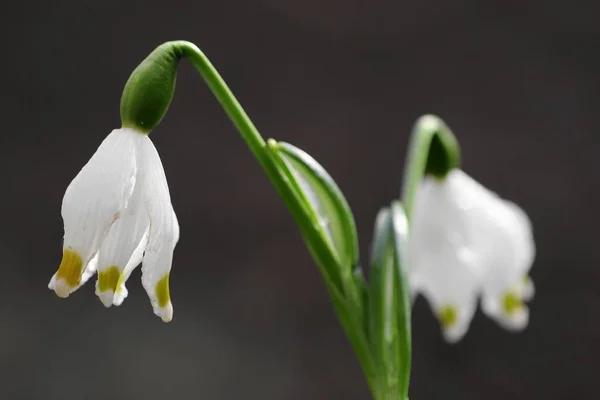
[
  {"x": 501, "y": 238},
  {"x": 441, "y": 263}
]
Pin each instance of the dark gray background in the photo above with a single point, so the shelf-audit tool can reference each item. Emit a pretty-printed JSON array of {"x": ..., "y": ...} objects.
[{"x": 518, "y": 82}]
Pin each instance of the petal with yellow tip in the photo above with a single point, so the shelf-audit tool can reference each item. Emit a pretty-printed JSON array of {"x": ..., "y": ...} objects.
[
  {"x": 441, "y": 265},
  {"x": 93, "y": 202},
  {"x": 163, "y": 234},
  {"x": 119, "y": 246}
]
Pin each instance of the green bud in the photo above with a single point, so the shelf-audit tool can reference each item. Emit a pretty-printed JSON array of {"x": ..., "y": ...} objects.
[{"x": 149, "y": 90}]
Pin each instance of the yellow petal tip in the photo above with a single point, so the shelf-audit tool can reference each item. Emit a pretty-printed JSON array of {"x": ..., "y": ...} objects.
[
  {"x": 108, "y": 279},
  {"x": 511, "y": 303},
  {"x": 161, "y": 290},
  {"x": 69, "y": 273},
  {"x": 448, "y": 316},
  {"x": 164, "y": 308}
]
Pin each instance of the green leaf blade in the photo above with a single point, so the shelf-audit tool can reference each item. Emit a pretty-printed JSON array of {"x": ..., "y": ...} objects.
[
  {"x": 403, "y": 298},
  {"x": 332, "y": 228},
  {"x": 328, "y": 201},
  {"x": 389, "y": 311},
  {"x": 327, "y": 205}
]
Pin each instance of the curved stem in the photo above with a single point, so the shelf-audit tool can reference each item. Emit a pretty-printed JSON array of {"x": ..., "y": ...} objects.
[
  {"x": 433, "y": 149},
  {"x": 257, "y": 145},
  {"x": 230, "y": 104},
  {"x": 343, "y": 301}
]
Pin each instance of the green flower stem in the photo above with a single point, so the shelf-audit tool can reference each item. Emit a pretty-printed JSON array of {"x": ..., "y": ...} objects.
[
  {"x": 345, "y": 298},
  {"x": 433, "y": 150},
  {"x": 256, "y": 143}
]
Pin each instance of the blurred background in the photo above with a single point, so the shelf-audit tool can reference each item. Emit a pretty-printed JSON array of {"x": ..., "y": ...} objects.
[{"x": 517, "y": 81}]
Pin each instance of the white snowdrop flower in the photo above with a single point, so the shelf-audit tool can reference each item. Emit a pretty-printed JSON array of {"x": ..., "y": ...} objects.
[
  {"x": 117, "y": 213},
  {"x": 465, "y": 242}
]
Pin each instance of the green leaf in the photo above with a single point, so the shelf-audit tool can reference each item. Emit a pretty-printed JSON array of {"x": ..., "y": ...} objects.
[
  {"x": 326, "y": 203},
  {"x": 389, "y": 305},
  {"x": 318, "y": 195},
  {"x": 403, "y": 312}
]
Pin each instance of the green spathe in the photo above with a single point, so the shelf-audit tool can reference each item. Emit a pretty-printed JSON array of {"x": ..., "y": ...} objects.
[
  {"x": 433, "y": 150},
  {"x": 150, "y": 88}
]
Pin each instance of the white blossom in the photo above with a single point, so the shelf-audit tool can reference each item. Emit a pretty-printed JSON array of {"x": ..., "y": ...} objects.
[
  {"x": 117, "y": 213},
  {"x": 467, "y": 243}
]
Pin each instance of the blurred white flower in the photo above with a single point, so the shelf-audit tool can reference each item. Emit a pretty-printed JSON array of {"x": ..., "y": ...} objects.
[
  {"x": 117, "y": 213},
  {"x": 466, "y": 242}
]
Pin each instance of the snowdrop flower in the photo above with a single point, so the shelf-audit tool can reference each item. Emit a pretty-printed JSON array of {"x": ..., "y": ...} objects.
[
  {"x": 466, "y": 242},
  {"x": 117, "y": 213}
]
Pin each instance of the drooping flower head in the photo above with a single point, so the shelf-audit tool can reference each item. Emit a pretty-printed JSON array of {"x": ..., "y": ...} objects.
[
  {"x": 467, "y": 244},
  {"x": 117, "y": 211}
]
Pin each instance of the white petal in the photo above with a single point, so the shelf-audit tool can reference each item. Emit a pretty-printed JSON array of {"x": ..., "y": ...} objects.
[
  {"x": 93, "y": 202},
  {"x": 441, "y": 266},
  {"x": 526, "y": 289},
  {"x": 451, "y": 288},
  {"x": 455, "y": 332},
  {"x": 515, "y": 322},
  {"x": 513, "y": 317},
  {"x": 134, "y": 261},
  {"x": 118, "y": 248},
  {"x": 521, "y": 230},
  {"x": 90, "y": 270},
  {"x": 504, "y": 246},
  {"x": 501, "y": 239},
  {"x": 52, "y": 282},
  {"x": 163, "y": 233}
]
